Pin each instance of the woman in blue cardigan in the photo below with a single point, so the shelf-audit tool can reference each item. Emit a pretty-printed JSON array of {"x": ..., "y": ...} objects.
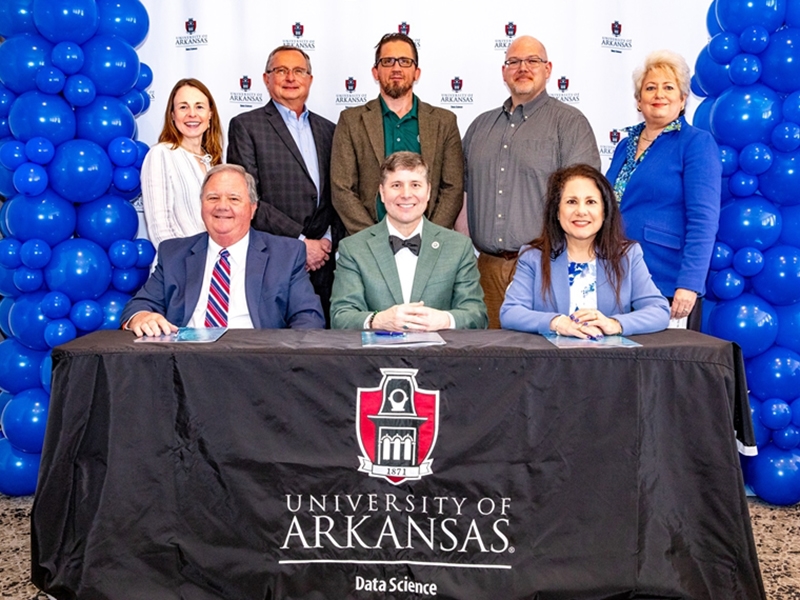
[
  {"x": 667, "y": 176},
  {"x": 581, "y": 277}
]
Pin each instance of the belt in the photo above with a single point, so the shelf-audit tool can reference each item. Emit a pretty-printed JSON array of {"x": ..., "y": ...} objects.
[{"x": 504, "y": 254}]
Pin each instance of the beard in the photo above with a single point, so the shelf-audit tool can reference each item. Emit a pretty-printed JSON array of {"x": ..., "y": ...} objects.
[{"x": 397, "y": 89}]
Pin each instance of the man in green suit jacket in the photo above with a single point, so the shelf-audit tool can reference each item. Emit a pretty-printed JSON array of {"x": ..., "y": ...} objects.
[{"x": 405, "y": 273}]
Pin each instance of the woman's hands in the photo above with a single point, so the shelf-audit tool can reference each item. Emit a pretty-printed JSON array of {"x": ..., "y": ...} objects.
[{"x": 586, "y": 323}]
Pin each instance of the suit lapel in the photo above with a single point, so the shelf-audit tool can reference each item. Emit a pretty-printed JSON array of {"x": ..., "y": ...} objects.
[
  {"x": 427, "y": 134},
  {"x": 276, "y": 120},
  {"x": 254, "y": 270},
  {"x": 195, "y": 269},
  {"x": 379, "y": 245},
  {"x": 322, "y": 159},
  {"x": 559, "y": 276},
  {"x": 429, "y": 253},
  {"x": 373, "y": 123}
]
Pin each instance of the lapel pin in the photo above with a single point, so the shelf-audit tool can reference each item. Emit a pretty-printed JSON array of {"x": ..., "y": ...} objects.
[{"x": 435, "y": 245}]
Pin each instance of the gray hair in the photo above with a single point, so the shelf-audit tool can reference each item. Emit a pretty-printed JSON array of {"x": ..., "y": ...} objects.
[
  {"x": 669, "y": 61},
  {"x": 286, "y": 48},
  {"x": 252, "y": 192}
]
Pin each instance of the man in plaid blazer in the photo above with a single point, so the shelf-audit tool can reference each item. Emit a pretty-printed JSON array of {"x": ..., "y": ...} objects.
[{"x": 287, "y": 149}]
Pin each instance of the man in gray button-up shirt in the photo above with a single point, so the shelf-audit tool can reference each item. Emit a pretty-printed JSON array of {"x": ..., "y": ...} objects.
[{"x": 509, "y": 153}]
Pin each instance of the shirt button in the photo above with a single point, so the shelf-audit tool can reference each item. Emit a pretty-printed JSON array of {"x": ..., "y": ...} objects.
[
  {"x": 502, "y": 168},
  {"x": 512, "y": 125},
  {"x": 499, "y": 239},
  {"x": 500, "y": 216},
  {"x": 505, "y": 145},
  {"x": 500, "y": 192},
  {"x": 398, "y": 139}
]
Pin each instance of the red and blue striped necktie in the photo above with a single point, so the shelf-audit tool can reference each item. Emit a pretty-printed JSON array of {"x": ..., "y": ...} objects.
[{"x": 219, "y": 292}]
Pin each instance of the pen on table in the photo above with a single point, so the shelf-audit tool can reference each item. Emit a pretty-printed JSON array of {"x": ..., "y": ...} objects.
[{"x": 391, "y": 333}]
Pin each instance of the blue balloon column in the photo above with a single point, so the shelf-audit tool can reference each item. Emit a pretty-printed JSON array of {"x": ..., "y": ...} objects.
[
  {"x": 71, "y": 85},
  {"x": 749, "y": 76}
]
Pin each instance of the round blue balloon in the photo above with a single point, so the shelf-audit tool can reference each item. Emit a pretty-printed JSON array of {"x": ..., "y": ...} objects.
[
  {"x": 125, "y": 280},
  {"x": 722, "y": 258},
  {"x": 742, "y": 184},
  {"x": 745, "y": 69},
  {"x": 774, "y": 475},
  {"x": 782, "y": 180},
  {"x": 134, "y": 100},
  {"x": 789, "y": 326},
  {"x": 10, "y": 253},
  {"x": 124, "y": 18},
  {"x": 67, "y": 56},
  {"x": 112, "y": 302},
  {"x": 46, "y": 372},
  {"x": 780, "y": 67},
  {"x": 723, "y": 47},
  {"x": 748, "y": 320},
  {"x": 16, "y": 17},
  {"x": 56, "y": 305},
  {"x": 79, "y": 268},
  {"x": 147, "y": 252},
  {"x": 19, "y": 366},
  {"x": 754, "y": 39},
  {"x": 80, "y": 171},
  {"x": 756, "y": 158},
  {"x": 146, "y": 98},
  {"x": 123, "y": 151},
  {"x": 711, "y": 76},
  {"x": 36, "y": 114},
  {"x": 727, "y": 284},
  {"x": 50, "y": 80},
  {"x": 762, "y": 432},
  {"x": 27, "y": 279},
  {"x": 774, "y": 374},
  {"x": 779, "y": 280},
  {"x": 87, "y": 315},
  {"x": 12, "y": 154},
  {"x": 791, "y": 107},
  {"x": 123, "y": 254},
  {"x": 743, "y": 115},
  {"x": 111, "y": 63},
  {"x": 6, "y": 189},
  {"x": 80, "y": 90},
  {"x": 753, "y": 221},
  {"x": 7, "y": 286},
  {"x": 711, "y": 20},
  {"x": 143, "y": 149},
  {"x": 107, "y": 220},
  {"x": 702, "y": 115},
  {"x": 40, "y": 150},
  {"x": 35, "y": 253},
  {"x": 748, "y": 261},
  {"x": 7, "y": 98},
  {"x": 25, "y": 418},
  {"x": 30, "y": 179},
  {"x": 18, "y": 470},
  {"x": 790, "y": 233},
  {"x": 775, "y": 413},
  {"x": 737, "y": 15},
  {"x": 786, "y": 137},
  {"x": 66, "y": 20},
  {"x": 47, "y": 217},
  {"x": 27, "y": 321},
  {"x": 105, "y": 119},
  {"x": 126, "y": 179},
  {"x": 21, "y": 57},
  {"x": 145, "y": 77},
  {"x": 786, "y": 438}
]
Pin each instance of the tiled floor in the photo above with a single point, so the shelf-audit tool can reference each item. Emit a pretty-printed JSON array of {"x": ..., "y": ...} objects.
[{"x": 776, "y": 531}]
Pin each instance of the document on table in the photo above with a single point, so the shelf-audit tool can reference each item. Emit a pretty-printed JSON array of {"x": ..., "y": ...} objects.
[
  {"x": 394, "y": 339},
  {"x": 186, "y": 335},
  {"x": 609, "y": 341}
]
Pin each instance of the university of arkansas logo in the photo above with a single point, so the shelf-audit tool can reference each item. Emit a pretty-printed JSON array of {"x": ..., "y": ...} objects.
[
  {"x": 297, "y": 30},
  {"x": 244, "y": 83},
  {"x": 511, "y": 29},
  {"x": 563, "y": 84},
  {"x": 616, "y": 28},
  {"x": 404, "y": 28},
  {"x": 191, "y": 26},
  {"x": 397, "y": 425},
  {"x": 614, "y": 136},
  {"x": 456, "y": 83},
  {"x": 350, "y": 84}
]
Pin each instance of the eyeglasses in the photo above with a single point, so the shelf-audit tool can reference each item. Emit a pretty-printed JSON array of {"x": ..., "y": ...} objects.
[
  {"x": 532, "y": 62},
  {"x": 388, "y": 61},
  {"x": 284, "y": 71}
]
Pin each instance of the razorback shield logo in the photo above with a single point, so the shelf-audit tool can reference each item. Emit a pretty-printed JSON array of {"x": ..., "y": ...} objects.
[
  {"x": 350, "y": 84},
  {"x": 244, "y": 82},
  {"x": 397, "y": 424},
  {"x": 297, "y": 30},
  {"x": 190, "y": 25},
  {"x": 616, "y": 28},
  {"x": 614, "y": 136},
  {"x": 563, "y": 84},
  {"x": 404, "y": 28},
  {"x": 456, "y": 83},
  {"x": 511, "y": 29}
]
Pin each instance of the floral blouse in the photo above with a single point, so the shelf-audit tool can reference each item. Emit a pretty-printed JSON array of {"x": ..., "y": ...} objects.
[
  {"x": 582, "y": 285},
  {"x": 631, "y": 162}
]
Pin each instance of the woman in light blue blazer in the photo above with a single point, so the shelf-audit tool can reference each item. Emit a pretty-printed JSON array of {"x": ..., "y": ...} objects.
[{"x": 581, "y": 277}]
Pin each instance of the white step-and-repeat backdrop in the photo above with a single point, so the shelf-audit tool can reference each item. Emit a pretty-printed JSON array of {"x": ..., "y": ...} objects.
[{"x": 594, "y": 46}]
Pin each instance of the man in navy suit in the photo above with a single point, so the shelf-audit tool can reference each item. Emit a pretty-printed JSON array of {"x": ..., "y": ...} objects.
[
  {"x": 269, "y": 284},
  {"x": 287, "y": 149}
]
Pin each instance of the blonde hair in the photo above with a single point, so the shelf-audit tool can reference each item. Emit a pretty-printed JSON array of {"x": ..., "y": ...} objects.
[{"x": 669, "y": 61}]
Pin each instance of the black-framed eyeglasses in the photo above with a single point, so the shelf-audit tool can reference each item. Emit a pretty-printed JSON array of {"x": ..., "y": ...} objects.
[
  {"x": 532, "y": 62},
  {"x": 284, "y": 71},
  {"x": 403, "y": 61}
]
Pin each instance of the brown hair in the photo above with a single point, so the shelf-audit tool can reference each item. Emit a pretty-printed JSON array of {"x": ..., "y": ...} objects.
[
  {"x": 396, "y": 37},
  {"x": 212, "y": 137},
  {"x": 403, "y": 161},
  {"x": 610, "y": 243}
]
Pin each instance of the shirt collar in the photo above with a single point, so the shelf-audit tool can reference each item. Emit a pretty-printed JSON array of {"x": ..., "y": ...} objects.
[
  {"x": 636, "y": 130},
  {"x": 529, "y": 107},
  {"x": 238, "y": 251},
  {"x": 287, "y": 113},
  {"x": 393, "y": 231},
  {"x": 386, "y": 111}
]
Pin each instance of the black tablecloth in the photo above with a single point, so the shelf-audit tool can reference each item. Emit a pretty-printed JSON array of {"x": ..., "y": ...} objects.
[{"x": 249, "y": 469}]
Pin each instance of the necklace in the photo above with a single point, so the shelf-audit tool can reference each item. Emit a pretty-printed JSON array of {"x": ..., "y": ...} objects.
[
  {"x": 203, "y": 158},
  {"x": 646, "y": 139}
]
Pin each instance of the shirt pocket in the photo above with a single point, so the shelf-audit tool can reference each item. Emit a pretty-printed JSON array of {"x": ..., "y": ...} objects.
[{"x": 662, "y": 238}]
